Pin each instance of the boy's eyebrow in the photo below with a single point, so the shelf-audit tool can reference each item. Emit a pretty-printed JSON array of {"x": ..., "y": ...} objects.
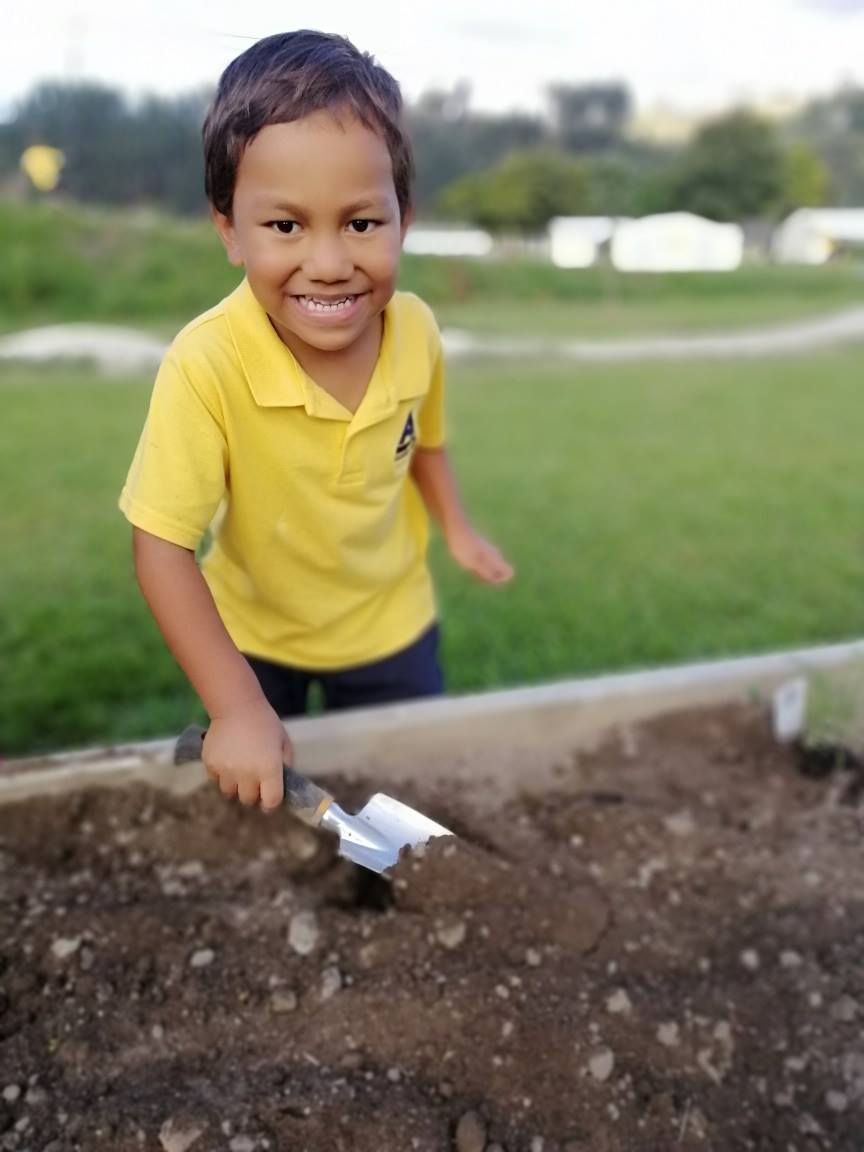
[
  {"x": 290, "y": 209},
  {"x": 365, "y": 205}
]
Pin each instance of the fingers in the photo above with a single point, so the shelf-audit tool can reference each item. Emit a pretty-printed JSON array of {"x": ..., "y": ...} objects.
[
  {"x": 227, "y": 784},
  {"x": 248, "y": 787},
  {"x": 244, "y": 752},
  {"x": 287, "y": 751},
  {"x": 249, "y": 790},
  {"x": 493, "y": 568},
  {"x": 271, "y": 793}
]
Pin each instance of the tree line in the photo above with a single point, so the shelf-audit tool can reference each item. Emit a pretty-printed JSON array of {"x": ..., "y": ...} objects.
[{"x": 504, "y": 172}]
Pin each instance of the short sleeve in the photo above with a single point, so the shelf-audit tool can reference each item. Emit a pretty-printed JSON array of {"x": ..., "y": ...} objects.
[
  {"x": 178, "y": 476},
  {"x": 431, "y": 433}
]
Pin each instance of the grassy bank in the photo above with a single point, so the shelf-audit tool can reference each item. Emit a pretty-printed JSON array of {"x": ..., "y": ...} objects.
[
  {"x": 66, "y": 263},
  {"x": 654, "y": 515}
]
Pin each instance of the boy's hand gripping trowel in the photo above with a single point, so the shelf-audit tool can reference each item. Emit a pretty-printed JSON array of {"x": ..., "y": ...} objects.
[{"x": 374, "y": 838}]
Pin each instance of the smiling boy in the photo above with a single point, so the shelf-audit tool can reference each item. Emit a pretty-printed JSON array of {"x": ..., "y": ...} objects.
[{"x": 307, "y": 410}]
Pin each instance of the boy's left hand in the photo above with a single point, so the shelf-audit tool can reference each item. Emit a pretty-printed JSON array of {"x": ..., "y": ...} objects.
[{"x": 479, "y": 557}]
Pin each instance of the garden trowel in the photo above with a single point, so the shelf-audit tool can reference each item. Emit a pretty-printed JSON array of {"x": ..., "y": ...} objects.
[{"x": 374, "y": 838}]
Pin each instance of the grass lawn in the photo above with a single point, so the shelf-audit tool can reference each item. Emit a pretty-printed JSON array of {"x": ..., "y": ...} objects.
[{"x": 654, "y": 514}]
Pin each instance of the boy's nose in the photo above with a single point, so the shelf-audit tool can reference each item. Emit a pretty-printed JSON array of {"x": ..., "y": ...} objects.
[{"x": 328, "y": 260}]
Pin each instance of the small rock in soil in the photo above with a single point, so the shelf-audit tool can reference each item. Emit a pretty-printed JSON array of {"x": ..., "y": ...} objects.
[
  {"x": 202, "y": 958},
  {"x": 619, "y": 1003},
  {"x": 452, "y": 935},
  {"x": 790, "y": 959},
  {"x": 178, "y": 1137},
  {"x": 282, "y": 1002},
  {"x": 669, "y": 1034},
  {"x": 680, "y": 823},
  {"x": 837, "y": 1101},
  {"x": 470, "y": 1133},
  {"x": 303, "y": 933},
  {"x": 242, "y": 1144},
  {"x": 65, "y": 946},
  {"x": 601, "y": 1064},
  {"x": 11, "y": 1093},
  {"x": 331, "y": 982}
]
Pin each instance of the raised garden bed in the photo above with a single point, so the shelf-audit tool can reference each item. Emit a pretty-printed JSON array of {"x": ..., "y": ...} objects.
[{"x": 653, "y": 944}]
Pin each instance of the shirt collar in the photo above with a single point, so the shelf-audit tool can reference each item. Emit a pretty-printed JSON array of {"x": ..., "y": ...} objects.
[{"x": 274, "y": 377}]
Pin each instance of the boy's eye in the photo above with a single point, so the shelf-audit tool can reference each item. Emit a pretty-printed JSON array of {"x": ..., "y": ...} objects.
[
  {"x": 285, "y": 227},
  {"x": 363, "y": 226}
]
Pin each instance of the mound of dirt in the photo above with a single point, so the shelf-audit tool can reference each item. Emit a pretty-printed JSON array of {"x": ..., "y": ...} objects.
[{"x": 662, "y": 951}]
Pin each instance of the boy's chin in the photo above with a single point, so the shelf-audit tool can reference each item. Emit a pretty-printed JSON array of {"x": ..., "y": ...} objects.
[{"x": 322, "y": 339}]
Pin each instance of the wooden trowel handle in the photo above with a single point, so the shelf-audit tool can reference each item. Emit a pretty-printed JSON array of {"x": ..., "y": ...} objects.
[{"x": 303, "y": 796}]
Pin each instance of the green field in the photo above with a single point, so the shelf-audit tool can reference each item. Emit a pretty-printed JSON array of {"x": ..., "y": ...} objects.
[{"x": 654, "y": 514}]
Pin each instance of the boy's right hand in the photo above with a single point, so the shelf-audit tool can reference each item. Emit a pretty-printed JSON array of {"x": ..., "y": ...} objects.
[{"x": 244, "y": 751}]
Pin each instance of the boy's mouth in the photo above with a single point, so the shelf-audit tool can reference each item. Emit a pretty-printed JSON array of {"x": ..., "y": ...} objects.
[{"x": 326, "y": 304}]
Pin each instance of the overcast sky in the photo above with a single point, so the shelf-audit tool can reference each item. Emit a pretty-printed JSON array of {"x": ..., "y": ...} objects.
[{"x": 695, "y": 55}]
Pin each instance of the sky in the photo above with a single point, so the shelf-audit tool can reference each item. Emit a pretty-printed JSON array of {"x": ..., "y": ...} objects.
[{"x": 695, "y": 55}]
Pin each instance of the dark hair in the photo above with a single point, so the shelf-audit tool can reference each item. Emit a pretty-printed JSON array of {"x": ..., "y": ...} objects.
[{"x": 289, "y": 76}]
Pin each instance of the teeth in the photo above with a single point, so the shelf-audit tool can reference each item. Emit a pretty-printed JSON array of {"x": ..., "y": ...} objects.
[{"x": 312, "y": 304}]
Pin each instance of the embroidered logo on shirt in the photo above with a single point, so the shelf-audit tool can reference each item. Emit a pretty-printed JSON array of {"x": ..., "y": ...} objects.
[{"x": 408, "y": 438}]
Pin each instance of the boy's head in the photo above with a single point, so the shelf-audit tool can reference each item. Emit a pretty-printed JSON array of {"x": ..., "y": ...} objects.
[{"x": 291, "y": 76}]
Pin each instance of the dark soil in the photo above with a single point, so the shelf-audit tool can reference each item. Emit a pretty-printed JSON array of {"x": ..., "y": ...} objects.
[{"x": 663, "y": 951}]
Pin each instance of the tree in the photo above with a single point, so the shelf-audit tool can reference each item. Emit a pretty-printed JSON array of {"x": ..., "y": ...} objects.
[
  {"x": 115, "y": 153},
  {"x": 523, "y": 192},
  {"x": 805, "y": 179},
  {"x": 833, "y": 127},
  {"x": 451, "y": 141},
  {"x": 733, "y": 169}
]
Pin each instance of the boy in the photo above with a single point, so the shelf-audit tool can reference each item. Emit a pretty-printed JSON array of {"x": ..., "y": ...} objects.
[{"x": 307, "y": 406}]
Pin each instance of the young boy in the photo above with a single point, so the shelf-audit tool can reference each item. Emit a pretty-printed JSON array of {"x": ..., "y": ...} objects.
[{"x": 306, "y": 408}]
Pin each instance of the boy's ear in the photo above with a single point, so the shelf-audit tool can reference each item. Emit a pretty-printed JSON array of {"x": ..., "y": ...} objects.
[
  {"x": 228, "y": 236},
  {"x": 407, "y": 221}
]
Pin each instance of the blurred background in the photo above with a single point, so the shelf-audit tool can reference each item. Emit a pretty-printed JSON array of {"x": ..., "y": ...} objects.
[{"x": 642, "y": 231}]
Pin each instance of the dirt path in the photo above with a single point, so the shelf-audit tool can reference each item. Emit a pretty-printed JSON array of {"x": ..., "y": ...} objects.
[
  {"x": 802, "y": 336},
  {"x": 660, "y": 953},
  {"x": 121, "y": 349}
]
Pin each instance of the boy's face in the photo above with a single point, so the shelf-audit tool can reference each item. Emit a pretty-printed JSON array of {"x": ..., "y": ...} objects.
[{"x": 316, "y": 225}]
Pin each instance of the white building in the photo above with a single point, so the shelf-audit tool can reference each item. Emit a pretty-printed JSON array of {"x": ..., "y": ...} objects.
[
  {"x": 574, "y": 241},
  {"x": 812, "y": 235},
  {"x": 430, "y": 241},
  {"x": 677, "y": 242}
]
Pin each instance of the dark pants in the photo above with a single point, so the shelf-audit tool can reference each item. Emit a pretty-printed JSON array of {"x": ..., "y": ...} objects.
[{"x": 406, "y": 675}]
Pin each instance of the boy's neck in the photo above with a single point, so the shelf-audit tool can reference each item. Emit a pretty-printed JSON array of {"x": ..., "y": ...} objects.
[{"x": 344, "y": 374}]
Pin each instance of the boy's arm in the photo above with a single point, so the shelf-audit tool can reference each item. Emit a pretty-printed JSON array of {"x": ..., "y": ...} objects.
[
  {"x": 430, "y": 468},
  {"x": 246, "y": 743}
]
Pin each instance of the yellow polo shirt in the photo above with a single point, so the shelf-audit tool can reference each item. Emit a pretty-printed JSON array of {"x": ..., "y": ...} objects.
[{"x": 318, "y": 557}]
